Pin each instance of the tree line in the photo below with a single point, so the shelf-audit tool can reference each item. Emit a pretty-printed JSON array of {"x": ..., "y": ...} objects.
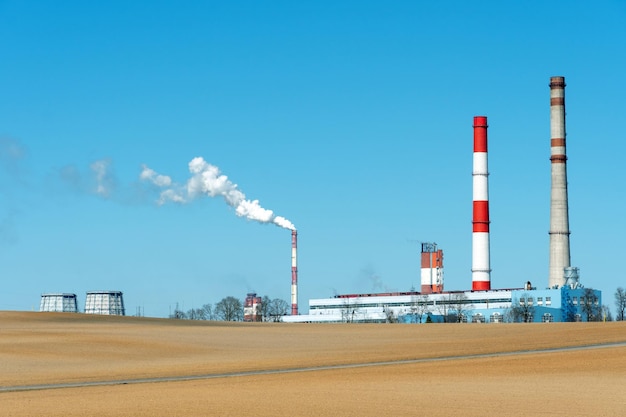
[{"x": 231, "y": 309}]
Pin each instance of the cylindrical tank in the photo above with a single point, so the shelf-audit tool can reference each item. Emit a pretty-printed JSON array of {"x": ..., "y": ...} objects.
[
  {"x": 105, "y": 302},
  {"x": 58, "y": 302}
]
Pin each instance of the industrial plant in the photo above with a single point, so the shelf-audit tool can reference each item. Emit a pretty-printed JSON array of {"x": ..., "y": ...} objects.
[
  {"x": 110, "y": 303},
  {"x": 562, "y": 299}
]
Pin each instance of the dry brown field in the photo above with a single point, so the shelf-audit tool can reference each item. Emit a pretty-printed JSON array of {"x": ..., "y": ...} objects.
[{"x": 39, "y": 351}]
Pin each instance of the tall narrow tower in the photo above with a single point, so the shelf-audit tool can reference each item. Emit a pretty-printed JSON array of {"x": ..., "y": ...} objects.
[
  {"x": 432, "y": 269},
  {"x": 559, "y": 217},
  {"x": 481, "y": 269},
  {"x": 294, "y": 273}
]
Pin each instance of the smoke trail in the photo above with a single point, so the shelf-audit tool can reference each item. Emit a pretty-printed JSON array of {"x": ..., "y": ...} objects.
[
  {"x": 104, "y": 179},
  {"x": 206, "y": 179}
]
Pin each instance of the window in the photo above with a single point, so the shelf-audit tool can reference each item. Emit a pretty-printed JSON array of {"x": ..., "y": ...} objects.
[
  {"x": 539, "y": 301},
  {"x": 547, "y": 318},
  {"x": 496, "y": 318},
  {"x": 530, "y": 301},
  {"x": 521, "y": 301},
  {"x": 575, "y": 300},
  {"x": 548, "y": 301},
  {"x": 478, "y": 318}
]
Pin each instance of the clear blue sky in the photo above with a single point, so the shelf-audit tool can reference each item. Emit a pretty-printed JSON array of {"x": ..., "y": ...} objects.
[{"x": 352, "y": 119}]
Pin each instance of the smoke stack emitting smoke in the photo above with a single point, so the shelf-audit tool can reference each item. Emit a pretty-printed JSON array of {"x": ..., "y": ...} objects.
[{"x": 206, "y": 179}]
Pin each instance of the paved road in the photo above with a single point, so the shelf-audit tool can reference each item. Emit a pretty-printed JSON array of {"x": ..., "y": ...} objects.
[{"x": 294, "y": 370}]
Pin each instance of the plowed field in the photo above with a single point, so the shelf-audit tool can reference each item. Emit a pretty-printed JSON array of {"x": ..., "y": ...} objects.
[{"x": 82, "y": 365}]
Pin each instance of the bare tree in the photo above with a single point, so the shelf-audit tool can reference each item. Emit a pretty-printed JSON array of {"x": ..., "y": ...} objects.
[
  {"x": 390, "y": 316},
  {"x": 265, "y": 308},
  {"x": 419, "y": 306},
  {"x": 589, "y": 304},
  {"x": 606, "y": 313},
  {"x": 459, "y": 305},
  {"x": 620, "y": 303},
  {"x": 349, "y": 309},
  {"x": 209, "y": 314},
  {"x": 523, "y": 310},
  {"x": 229, "y": 309},
  {"x": 196, "y": 314},
  {"x": 277, "y": 309}
]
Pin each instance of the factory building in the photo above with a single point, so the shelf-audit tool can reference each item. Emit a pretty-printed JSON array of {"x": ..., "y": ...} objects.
[
  {"x": 58, "y": 303},
  {"x": 252, "y": 310},
  {"x": 493, "y": 306},
  {"x": 564, "y": 299}
]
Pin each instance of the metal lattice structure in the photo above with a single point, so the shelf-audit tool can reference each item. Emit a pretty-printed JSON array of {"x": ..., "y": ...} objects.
[
  {"x": 58, "y": 303},
  {"x": 105, "y": 303}
]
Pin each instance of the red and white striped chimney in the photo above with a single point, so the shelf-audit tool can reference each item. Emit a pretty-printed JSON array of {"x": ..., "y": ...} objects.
[
  {"x": 481, "y": 270},
  {"x": 294, "y": 273}
]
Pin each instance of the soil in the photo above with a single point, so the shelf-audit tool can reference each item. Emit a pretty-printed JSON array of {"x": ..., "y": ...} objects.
[{"x": 427, "y": 370}]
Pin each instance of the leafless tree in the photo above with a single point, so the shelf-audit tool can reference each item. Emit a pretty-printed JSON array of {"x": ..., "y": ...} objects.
[
  {"x": 459, "y": 305},
  {"x": 606, "y": 313},
  {"x": 265, "y": 308},
  {"x": 419, "y": 306},
  {"x": 277, "y": 309},
  {"x": 590, "y": 306},
  {"x": 523, "y": 310},
  {"x": 209, "y": 313},
  {"x": 349, "y": 309},
  {"x": 390, "y": 316},
  {"x": 229, "y": 309},
  {"x": 196, "y": 314},
  {"x": 620, "y": 303}
]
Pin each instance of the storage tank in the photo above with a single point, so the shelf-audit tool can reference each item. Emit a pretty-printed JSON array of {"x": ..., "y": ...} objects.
[
  {"x": 58, "y": 303},
  {"x": 105, "y": 302}
]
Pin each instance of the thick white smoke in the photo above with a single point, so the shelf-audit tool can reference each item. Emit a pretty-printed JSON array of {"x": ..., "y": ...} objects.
[{"x": 206, "y": 179}]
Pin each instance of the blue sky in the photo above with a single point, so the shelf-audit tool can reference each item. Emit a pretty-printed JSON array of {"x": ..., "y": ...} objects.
[{"x": 352, "y": 119}]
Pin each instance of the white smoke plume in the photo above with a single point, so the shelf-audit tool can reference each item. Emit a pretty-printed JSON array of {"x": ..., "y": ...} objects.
[
  {"x": 104, "y": 179},
  {"x": 206, "y": 179}
]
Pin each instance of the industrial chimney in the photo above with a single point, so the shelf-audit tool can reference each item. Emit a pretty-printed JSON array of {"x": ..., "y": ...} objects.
[
  {"x": 294, "y": 273},
  {"x": 481, "y": 270},
  {"x": 559, "y": 217}
]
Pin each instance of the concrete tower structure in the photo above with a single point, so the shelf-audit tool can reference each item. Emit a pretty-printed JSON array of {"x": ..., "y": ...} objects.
[
  {"x": 559, "y": 216},
  {"x": 481, "y": 269},
  {"x": 294, "y": 273},
  {"x": 432, "y": 269}
]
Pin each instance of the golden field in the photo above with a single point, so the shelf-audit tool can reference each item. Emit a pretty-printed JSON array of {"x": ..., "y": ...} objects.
[{"x": 44, "y": 349}]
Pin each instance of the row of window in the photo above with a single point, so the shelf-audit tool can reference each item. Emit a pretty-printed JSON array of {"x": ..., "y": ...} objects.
[
  {"x": 409, "y": 304},
  {"x": 584, "y": 300},
  {"x": 530, "y": 301}
]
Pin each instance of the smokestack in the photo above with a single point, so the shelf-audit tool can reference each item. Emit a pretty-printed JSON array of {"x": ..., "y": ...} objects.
[
  {"x": 481, "y": 270},
  {"x": 294, "y": 272},
  {"x": 559, "y": 217}
]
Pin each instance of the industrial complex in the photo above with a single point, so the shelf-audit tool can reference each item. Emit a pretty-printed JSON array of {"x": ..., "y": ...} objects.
[{"x": 562, "y": 299}]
